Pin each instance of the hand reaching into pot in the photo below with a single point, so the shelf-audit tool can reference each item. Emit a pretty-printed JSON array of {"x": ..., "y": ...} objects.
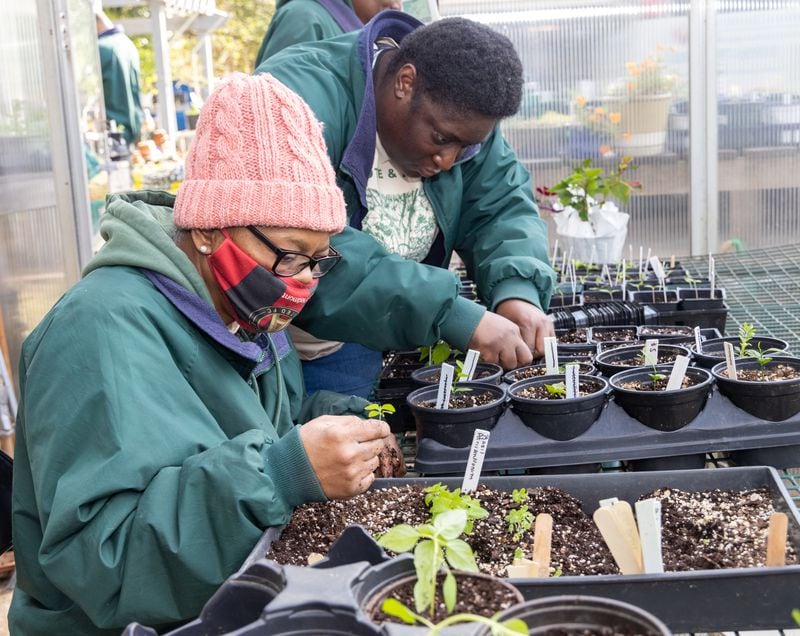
[
  {"x": 344, "y": 452},
  {"x": 533, "y": 323}
]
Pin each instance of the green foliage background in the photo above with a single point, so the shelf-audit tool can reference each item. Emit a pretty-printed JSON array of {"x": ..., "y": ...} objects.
[{"x": 234, "y": 45}]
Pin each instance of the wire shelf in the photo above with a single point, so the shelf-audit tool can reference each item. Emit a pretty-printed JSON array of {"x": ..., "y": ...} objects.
[{"x": 762, "y": 288}]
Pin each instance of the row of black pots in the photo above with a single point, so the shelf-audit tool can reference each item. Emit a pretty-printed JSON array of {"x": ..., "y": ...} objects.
[{"x": 565, "y": 419}]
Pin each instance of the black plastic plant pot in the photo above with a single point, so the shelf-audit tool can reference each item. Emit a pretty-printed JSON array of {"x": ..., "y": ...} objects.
[
  {"x": 484, "y": 372},
  {"x": 779, "y": 456},
  {"x": 624, "y": 358},
  {"x": 314, "y": 621},
  {"x": 701, "y": 298},
  {"x": 539, "y": 370},
  {"x": 559, "y": 419},
  {"x": 380, "y": 582},
  {"x": 582, "y": 615},
  {"x": 714, "y": 348},
  {"x": 669, "y": 333},
  {"x": 695, "y": 461},
  {"x": 658, "y": 299},
  {"x": 601, "y": 295},
  {"x": 774, "y": 401},
  {"x": 662, "y": 410},
  {"x": 455, "y": 427},
  {"x": 621, "y": 333}
]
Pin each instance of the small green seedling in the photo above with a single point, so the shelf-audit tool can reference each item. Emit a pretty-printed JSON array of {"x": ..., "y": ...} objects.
[
  {"x": 511, "y": 627},
  {"x": 519, "y": 496},
  {"x": 746, "y": 333},
  {"x": 519, "y": 520},
  {"x": 437, "y": 546},
  {"x": 435, "y": 354},
  {"x": 762, "y": 357},
  {"x": 518, "y": 553},
  {"x": 379, "y": 410},
  {"x": 655, "y": 376},
  {"x": 559, "y": 389},
  {"x": 440, "y": 498}
]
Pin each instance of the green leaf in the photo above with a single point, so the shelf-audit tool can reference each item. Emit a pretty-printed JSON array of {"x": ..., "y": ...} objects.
[
  {"x": 460, "y": 556},
  {"x": 401, "y": 538},
  {"x": 796, "y": 615},
  {"x": 393, "y": 607},
  {"x": 450, "y": 524},
  {"x": 422, "y": 595},
  {"x": 449, "y": 592},
  {"x": 388, "y": 408},
  {"x": 516, "y": 625},
  {"x": 441, "y": 351},
  {"x": 426, "y": 562}
]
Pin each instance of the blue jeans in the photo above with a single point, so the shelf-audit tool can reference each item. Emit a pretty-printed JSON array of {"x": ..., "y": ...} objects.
[{"x": 352, "y": 370}]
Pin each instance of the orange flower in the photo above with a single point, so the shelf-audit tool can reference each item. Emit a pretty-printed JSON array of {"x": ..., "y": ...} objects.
[
  {"x": 604, "y": 150},
  {"x": 599, "y": 111},
  {"x": 580, "y": 101},
  {"x": 633, "y": 68},
  {"x": 593, "y": 118},
  {"x": 614, "y": 118}
]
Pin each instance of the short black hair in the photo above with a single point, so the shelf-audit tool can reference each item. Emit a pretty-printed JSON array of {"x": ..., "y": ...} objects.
[{"x": 464, "y": 64}]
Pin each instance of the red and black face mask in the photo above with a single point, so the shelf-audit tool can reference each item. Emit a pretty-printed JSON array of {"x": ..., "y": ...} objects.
[{"x": 259, "y": 300}]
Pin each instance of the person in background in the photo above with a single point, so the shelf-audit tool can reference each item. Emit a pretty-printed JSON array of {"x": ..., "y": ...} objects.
[
  {"x": 119, "y": 66},
  {"x": 298, "y": 21},
  {"x": 163, "y": 423},
  {"x": 410, "y": 114}
]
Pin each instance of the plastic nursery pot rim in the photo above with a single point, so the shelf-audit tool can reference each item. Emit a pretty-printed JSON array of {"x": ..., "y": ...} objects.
[
  {"x": 527, "y": 382},
  {"x": 420, "y": 376},
  {"x": 767, "y": 342},
  {"x": 509, "y": 375},
  {"x": 553, "y": 612},
  {"x": 694, "y": 372},
  {"x": 719, "y": 371},
  {"x": 428, "y": 392}
]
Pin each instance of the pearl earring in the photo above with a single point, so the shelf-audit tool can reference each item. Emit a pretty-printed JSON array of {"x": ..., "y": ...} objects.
[{"x": 204, "y": 249}]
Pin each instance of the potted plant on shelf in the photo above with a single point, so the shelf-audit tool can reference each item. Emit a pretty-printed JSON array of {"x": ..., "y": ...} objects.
[
  {"x": 643, "y": 99},
  {"x": 713, "y": 349},
  {"x": 630, "y": 357},
  {"x": 586, "y": 217}
]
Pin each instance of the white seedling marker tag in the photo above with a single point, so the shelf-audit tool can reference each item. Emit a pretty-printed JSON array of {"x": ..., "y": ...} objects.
[
  {"x": 607, "y": 503},
  {"x": 551, "y": 355},
  {"x": 698, "y": 340},
  {"x": 470, "y": 362},
  {"x": 605, "y": 274},
  {"x": 658, "y": 269},
  {"x": 571, "y": 380},
  {"x": 712, "y": 274},
  {"x": 445, "y": 384},
  {"x": 678, "y": 373},
  {"x": 641, "y": 261},
  {"x": 730, "y": 360},
  {"x": 651, "y": 351},
  {"x": 477, "y": 452},
  {"x": 648, "y": 516}
]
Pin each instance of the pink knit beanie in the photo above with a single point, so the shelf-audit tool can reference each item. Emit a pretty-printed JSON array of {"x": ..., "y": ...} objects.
[{"x": 258, "y": 158}]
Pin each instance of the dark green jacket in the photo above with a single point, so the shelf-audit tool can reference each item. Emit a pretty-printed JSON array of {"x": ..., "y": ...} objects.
[
  {"x": 297, "y": 21},
  {"x": 119, "y": 65},
  {"x": 153, "y": 446},
  {"x": 484, "y": 207}
]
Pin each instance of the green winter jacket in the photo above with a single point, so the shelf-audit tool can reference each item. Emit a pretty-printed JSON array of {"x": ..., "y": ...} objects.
[
  {"x": 153, "y": 446},
  {"x": 297, "y": 21},
  {"x": 484, "y": 208},
  {"x": 119, "y": 66}
]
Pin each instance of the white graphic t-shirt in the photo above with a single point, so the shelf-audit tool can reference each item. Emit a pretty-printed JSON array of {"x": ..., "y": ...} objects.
[{"x": 400, "y": 216}]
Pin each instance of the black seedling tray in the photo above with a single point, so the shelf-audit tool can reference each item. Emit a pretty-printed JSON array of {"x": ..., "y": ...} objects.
[
  {"x": 721, "y": 426},
  {"x": 696, "y": 601}
]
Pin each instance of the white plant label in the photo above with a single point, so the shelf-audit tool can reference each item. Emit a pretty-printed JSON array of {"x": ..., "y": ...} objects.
[
  {"x": 698, "y": 340},
  {"x": 624, "y": 274},
  {"x": 712, "y": 274},
  {"x": 648, "y": 517},
  {"x": 608, "y": 503},
  {"x": 605, "y": 274},
  {"x": 641, "y": 261},
  {"x": 551, "y": 355},
  {"x": 651, "y": 351},
  {"x": 571, "y": 380},
  {"x": 658, "y": 269},
  {"x": 470, "y": 362},
  {"x": 445, "y": 384},
  {"x": 477, "y": 452},
  {"x": 678, "y": 373},
  {"x": 730, "y": 360}
]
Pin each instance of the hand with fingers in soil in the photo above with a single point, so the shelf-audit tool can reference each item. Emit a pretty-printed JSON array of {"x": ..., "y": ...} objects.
[
  {"x": 499, "y": 340},
  {"x": 344, "y": 452}
]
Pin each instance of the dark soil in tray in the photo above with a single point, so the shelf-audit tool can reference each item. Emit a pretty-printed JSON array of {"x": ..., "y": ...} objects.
[
  {"x": 771, "y": 374},
  {"x": 541, "y": 392},
  {"x": 573, "y": 337},
  {"x": 614, "y": 335},
  {"x": 609, "y": 346},
  {"x": 540, "y": 370},
  {"x": 657, "y": 385},
  {"x": 479, "y": 373},
  {"x": 701, "y": 531},
  {"x": 465, "y": 400},
  {"x": 475, "y": 595}
]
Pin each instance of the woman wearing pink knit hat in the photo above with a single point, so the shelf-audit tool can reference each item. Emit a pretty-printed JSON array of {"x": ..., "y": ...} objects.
[{"x": 158, "y": 427}]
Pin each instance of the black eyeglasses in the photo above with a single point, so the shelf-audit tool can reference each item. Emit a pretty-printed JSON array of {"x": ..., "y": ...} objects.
[{"x": 291, "y": 263}]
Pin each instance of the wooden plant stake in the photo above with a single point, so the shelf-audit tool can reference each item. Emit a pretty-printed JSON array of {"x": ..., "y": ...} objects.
[
  {"x": 617, "y": 539},
  {"x": 776, "y": 539},
  {"x": 542, "y": 541}
]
